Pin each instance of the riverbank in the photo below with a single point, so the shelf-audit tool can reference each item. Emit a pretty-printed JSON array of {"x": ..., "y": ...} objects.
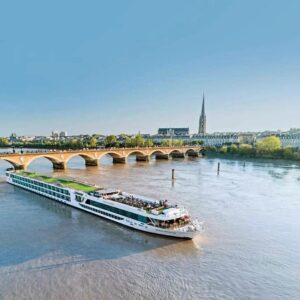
[
  {"x": 269, "y": 148},
  {"x": 238, "y": 156}
]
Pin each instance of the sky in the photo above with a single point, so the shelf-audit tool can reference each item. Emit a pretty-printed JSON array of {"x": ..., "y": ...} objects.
[{"x": 134, "y": 66}]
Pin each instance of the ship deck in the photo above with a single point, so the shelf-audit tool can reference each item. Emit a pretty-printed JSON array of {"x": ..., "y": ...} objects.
[{"x": 68, "y": 183}]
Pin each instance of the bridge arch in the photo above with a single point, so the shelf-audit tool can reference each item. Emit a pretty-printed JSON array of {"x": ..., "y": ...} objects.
[
  {"x": 53, "y": 160},
  {"x": 110, "y": 153},
  {"x": 192, "y": 152},
  {"x": 175, "y": 151},
  {"x": 15, "y": 165},
  {"x": 136, "y": 152},
  {"x": 157, "y": 151},
  {"x": 84, "y": 156}
]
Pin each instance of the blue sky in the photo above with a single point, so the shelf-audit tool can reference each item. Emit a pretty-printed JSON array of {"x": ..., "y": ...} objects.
[{"x": 129, "y": 66}]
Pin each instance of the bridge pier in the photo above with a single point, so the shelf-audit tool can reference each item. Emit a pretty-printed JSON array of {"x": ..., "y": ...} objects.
[
  {"x": 178, "y": 155},
  {"x": 142, "y": 158},
  {"x": 119, "y": 160},
  {"x": 91, "y": 162},
  {"x": 20, "y": 167},
  {"x": 59, "y": 165},
  {"x": 194, "y": 154},
  {"x": 162, "y": 156}
]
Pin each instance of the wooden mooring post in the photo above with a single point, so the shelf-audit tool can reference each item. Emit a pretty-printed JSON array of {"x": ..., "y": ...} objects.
[
  {"x": 173, "y": 174},
  {"x": 219, "y": 168}
]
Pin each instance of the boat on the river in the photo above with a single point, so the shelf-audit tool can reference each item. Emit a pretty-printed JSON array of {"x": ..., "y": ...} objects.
[{"x": 138, "y": 212}]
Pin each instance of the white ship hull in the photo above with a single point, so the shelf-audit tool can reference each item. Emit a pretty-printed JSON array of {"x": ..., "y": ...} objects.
[{"x": 185, "y": 232}]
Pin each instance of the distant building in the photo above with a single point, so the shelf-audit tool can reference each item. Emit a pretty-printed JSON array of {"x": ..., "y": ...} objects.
[
  {"x": 182, "y": 134},
  {"x": 202, "y": 120},
  {"x": 216, "y": 139},
  {"x": 247, "y": 138},
  {"x": 174, "y": 131},
  {"x": 25, "y": 138},
  {"x": 287, "y": 138},
  {"x": 290, "y": 139},
  {"x": 13, "y": 138},
  {"x": 54, "y": 135},
  {"x": 63, "y": 134},
  {"x": 40, "y": 138}
]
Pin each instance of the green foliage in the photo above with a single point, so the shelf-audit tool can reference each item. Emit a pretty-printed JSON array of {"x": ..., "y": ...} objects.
[
  {"x": 170, "y": 143},
  {"x": 224, "y": 150},
  {"x": 3, "y": 142},
  {"x": 245, "y": 149},
  {"x": 149, "y": 143},
  {"x": 212, "y": 149},
  {"x": 166, "y": 143},
  {"x": 268, "y": 148},
  {"x": 297, "y": 154},
  {"x": 138, "y": 141},
  {"x": 195, "y": 143},
  {"x": 233, "y": 149},
  {"x": 288, "y": 153},
  {"x": 177, "y": 143},
  {"x": 268, "y": 145},
  {"x": 93, "y": 142},
  {"x": 110, "y": 141},
  {"x": 128, "y": 142}
]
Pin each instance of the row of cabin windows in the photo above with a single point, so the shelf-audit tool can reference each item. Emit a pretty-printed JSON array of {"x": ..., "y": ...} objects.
[
  {"x": 40, "y": 189},
  {"x": 41, "y": 184},
  {"x": 101, "y": 212},
  {"x": 119, "y": 211}
]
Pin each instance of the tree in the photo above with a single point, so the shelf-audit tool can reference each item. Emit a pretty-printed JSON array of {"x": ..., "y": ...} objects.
[
  {"x": 110, "y": 141},
  {"x": 127, "y": 142},
  {"x": 297, "y": 155},
  {"x": 93, "y": 142},
  {"x": 268, "y": 145},
  {"x": 245, "y": 149},
  {"x": 79, "y": 144},
  {"x": 138, "y": 141},
  {"x": 177, "y": 142},
  {"x": 3, "y": 142},
  {"x": 166, "y": 143},
  {"x": 288, "y": 152},
  {"x": 223, "y": 149},
  {"x": 149, "y": 143},
  {"x": 211, "y": 149},
  {"x": 232, "y": 149}
]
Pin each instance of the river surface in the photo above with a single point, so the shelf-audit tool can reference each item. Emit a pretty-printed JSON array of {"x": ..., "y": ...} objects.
[{"x": 250, "y": 248}]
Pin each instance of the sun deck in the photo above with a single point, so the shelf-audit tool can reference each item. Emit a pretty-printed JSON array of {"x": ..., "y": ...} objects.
[
  {"x": 155, "y": 207},
  {"x": 68, "y": 183}
]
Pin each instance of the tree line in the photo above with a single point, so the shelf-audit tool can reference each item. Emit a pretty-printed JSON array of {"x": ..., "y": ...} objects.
[
  {"x": 269, "y": 147},
  {"x": 91, "y": 142}
]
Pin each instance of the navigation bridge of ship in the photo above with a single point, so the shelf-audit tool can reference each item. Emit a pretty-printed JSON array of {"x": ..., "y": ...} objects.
[{"x": 92, "y": 157}]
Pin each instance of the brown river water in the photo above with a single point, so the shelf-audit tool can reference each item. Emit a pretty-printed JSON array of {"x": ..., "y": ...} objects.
[{"x": 250, "y": 248}]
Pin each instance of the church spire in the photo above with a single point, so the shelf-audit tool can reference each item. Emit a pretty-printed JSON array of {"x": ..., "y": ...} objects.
[
  {"x": 202, "y": 120},
  {"x": 203, "y": 106}
]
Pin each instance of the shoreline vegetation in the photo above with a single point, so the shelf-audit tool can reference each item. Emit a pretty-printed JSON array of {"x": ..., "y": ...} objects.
[
  {"x": 92, "y": 142},
  {"x": 268, "y": 148}
]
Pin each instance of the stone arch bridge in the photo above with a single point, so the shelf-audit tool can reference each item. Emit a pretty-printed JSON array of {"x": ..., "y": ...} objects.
[{"x": 60, "y": 159}]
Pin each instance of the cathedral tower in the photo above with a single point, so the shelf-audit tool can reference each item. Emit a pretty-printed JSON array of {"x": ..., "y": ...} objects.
[{"x": 202, "y": 120}]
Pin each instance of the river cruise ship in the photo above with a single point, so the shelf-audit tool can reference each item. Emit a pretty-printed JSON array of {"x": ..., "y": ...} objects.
[{"x": 138, "y": 212}]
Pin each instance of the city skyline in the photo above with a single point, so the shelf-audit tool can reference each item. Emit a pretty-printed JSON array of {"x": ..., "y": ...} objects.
[{"x": 129, "y": 67}]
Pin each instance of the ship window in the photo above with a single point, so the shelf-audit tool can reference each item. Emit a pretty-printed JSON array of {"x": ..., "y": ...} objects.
[{"x": 118, "y": 211}]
